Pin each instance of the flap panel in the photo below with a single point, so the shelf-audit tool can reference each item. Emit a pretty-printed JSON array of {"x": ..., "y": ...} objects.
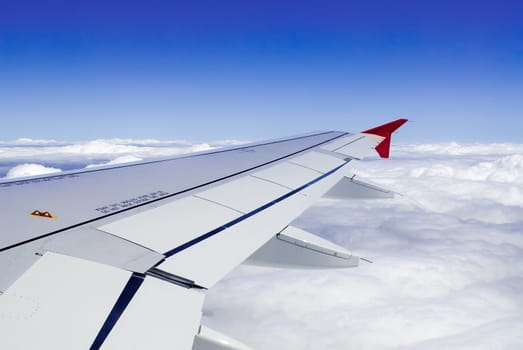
[
  {"x": 228, "y": 246},
  {"x": 160, "y": 316},
  {"x": 244, "y": 194},
  {"x": 317, "y": 161},
  {"x": 170, "y": 225},
  {"x": 61, "y": 302},
  {"x": 288, "y": 174}
]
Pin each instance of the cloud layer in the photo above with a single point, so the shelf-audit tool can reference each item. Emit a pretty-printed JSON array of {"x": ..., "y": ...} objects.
[
  {"x": 447, "y": 252},
  {"x": 447, "y": 271},
  {"x": 26, "y": 157}
]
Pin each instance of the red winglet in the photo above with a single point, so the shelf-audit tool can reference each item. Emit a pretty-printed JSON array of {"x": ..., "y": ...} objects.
[{"x": 385, "y": 131}]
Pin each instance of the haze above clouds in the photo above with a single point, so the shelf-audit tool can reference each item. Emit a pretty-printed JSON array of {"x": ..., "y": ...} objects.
[{"x": 447, "y": 253}]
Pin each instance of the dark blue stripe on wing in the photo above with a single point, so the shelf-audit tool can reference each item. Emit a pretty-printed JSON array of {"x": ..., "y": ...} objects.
[
  {"x": 119, "y": 307},
  {"x": 248, "y": 215}
]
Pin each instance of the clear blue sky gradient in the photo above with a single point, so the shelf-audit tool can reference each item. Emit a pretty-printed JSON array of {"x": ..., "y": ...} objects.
[{"x": 206, "y": 70}]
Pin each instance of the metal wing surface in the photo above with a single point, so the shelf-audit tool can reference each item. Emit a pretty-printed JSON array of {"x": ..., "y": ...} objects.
[{"x": 121, "y": 256}]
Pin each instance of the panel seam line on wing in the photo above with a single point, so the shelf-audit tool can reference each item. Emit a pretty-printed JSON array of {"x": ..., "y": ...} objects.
[
  {"x": 271, "y": 181},
  {"x": 306, "y": 167},
  {"x": 345, "y": 145},
  {"x": 218, "y": 203}
]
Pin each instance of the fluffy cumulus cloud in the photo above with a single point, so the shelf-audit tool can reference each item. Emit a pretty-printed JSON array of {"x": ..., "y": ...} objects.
[
  {"x": 447, "y": 252},
  {"x": 447, "y": 269},
  {"x": 28, "y": 169}
]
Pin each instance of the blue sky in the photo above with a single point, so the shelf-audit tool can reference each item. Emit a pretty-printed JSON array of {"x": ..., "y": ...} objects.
[{"x": 206, "y": 70}]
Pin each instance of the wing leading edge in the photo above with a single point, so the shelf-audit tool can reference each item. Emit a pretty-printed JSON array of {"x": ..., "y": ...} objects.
[{"x": 142, "y": 242}]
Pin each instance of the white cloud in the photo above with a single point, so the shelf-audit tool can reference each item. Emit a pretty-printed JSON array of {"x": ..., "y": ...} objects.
[
  {"x": 24, "y": 141},
  {"x": 118, "y": 160},
  {"x": 447, "y": 271},
  {"x": 459, "y": 149},
  {"x": 79, "y": 154},
  {"x": 447, "y": 253},
  {"x": 27, "y": 169}
]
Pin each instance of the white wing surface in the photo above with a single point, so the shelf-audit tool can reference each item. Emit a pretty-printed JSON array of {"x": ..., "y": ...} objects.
[{"x": 100, "y": 258}]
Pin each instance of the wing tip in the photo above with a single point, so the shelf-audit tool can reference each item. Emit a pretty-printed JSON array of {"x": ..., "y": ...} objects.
[{"x": 385, "y": 131}]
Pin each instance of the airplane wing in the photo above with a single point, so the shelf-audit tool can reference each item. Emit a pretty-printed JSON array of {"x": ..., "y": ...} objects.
[{"x": 121, "y": 256}]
